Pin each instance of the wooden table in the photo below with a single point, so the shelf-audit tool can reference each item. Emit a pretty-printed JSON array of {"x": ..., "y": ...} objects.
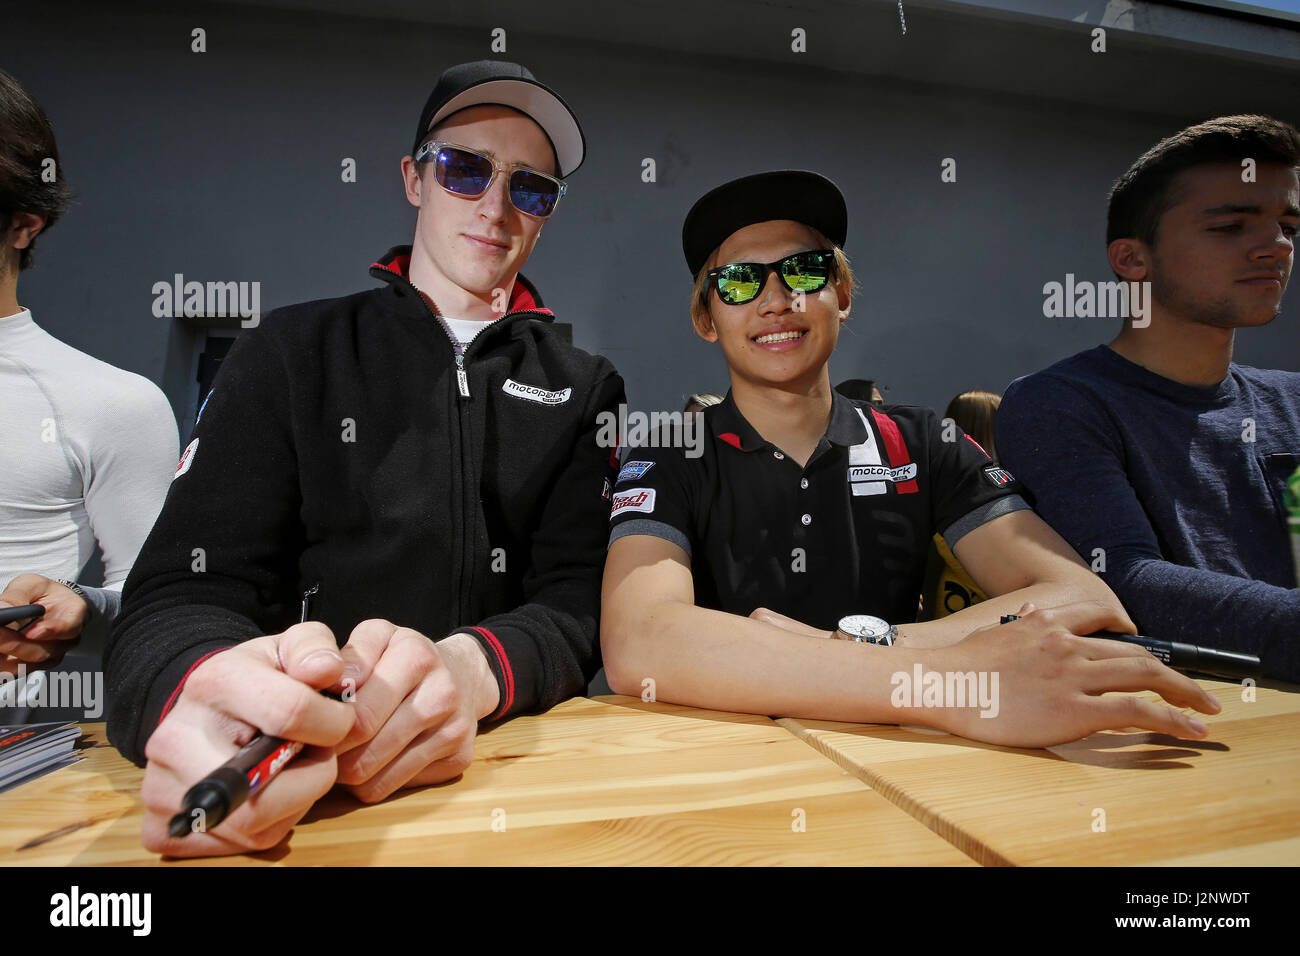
[
  {"x": 614, "y": 780},
  {"x": 1232, "y": 799},
  {"x": 604, "y": 781}
]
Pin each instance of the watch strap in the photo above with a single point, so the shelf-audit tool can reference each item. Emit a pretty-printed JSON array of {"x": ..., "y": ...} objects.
[{"x": 72, "y": 586}]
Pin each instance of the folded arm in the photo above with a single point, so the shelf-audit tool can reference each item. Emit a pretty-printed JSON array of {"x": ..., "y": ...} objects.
[
  {"x": 652, "y": 630},
  {"x": 1016, "y": 559}
]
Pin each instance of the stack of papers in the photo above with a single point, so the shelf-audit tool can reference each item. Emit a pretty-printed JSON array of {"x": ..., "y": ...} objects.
[{"x": 33, "y": 750}]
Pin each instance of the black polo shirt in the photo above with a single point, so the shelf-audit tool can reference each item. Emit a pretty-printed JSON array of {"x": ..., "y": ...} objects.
[{"x": 849, "y": 534}]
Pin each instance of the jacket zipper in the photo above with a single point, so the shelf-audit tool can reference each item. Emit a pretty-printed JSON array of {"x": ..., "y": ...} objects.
[
  {"x": 464, "y": 575},
  {"x": 458, "y": 350},
  {"x": 305, "y": 612},
  {"x": 462, "y": 376},
  {"x": 469, "y": 496}
]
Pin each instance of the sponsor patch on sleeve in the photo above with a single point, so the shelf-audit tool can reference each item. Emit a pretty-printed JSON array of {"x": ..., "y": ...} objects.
[
  {"x": 997, "y": 476},
  {"x": 187, "y": 459},
  {"x": 634, "y": 470},
  {"x": 634, "y": 499}
]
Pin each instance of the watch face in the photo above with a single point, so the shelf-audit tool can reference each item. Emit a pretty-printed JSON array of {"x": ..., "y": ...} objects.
[{"x": 864, "y": 626}]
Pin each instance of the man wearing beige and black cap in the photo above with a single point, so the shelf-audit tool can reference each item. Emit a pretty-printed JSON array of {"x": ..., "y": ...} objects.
[{"x": 414, "y": 471}]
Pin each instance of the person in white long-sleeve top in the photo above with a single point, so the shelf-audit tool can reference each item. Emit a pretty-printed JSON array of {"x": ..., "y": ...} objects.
[{"x": 86, "y": 450}]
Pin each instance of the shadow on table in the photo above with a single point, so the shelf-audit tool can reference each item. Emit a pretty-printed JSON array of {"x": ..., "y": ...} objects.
[
  {"x": 1267, "y": 682},
  {"x": 1107, "y": 748},
  {"x": 340, "y": 802},
  {"x": 493, "y": 747},
  {"x": 637, "y": 705},
  {"x": 1160, "y": 751}
]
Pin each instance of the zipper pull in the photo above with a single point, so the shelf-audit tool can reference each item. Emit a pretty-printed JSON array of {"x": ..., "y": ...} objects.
[
  {"x": 306, "y": 602},
  {"x": 462, "y": 380}
]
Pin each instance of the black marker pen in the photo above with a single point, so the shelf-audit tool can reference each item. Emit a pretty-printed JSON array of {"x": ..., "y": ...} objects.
[
  {"x": 221, "y": 792},
  {"x": 11, "y": 614},
  {"x": 1191, "y": 657}
]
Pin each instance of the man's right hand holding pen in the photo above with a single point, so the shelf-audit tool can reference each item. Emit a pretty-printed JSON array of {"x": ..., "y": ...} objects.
[{"x": 269, "y": 684}]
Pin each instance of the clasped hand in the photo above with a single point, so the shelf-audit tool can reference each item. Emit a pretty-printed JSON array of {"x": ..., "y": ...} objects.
[{"x": 408, "y": 717}]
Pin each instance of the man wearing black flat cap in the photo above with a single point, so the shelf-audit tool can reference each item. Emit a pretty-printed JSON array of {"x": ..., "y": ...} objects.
[{"x": 413, "y": 471}]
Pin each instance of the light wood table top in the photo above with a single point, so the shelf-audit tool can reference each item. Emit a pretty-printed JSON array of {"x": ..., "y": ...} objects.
[
  {"x": 603, "y": 781},
  {"x": 1232, "y": 799}
]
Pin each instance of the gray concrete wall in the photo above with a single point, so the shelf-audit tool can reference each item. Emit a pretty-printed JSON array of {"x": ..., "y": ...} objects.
[{"x": 226, "y": 165}]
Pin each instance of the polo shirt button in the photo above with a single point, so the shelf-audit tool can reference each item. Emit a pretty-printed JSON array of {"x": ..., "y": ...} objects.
[
  {"x": 806, "y": 519},
  {"x": 803, "y": 482},
  {"x": 777, "y": 454}
]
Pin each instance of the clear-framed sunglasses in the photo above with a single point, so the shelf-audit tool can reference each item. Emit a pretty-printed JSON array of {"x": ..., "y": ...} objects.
[{"x": 466, "y": 172}]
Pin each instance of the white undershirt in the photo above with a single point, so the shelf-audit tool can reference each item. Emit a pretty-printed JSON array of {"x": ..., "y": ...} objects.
[
  {"x": 466, "y": 329},
  {"x": 463, "y": 331}
]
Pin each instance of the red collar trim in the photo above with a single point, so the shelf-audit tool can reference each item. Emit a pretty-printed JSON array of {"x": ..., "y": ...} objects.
[
  {"x": 398, "y": 265},
  {"x": 521, "y": 299}
]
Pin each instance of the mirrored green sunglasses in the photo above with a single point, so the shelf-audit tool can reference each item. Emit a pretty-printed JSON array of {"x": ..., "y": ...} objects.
[{"x": 741, "y": 282}]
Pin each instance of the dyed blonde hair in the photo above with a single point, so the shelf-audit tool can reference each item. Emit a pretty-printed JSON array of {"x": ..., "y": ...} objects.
[{"x": 841, "y": 275}]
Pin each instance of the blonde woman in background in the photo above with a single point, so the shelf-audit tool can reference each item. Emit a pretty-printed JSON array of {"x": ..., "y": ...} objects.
[{"x": 948, "y": 588}]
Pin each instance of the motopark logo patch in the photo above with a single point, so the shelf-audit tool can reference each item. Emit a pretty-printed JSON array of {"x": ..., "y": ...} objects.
[
  {"x": 534, "y": 394},
  {"x": 860, "y": 473}
]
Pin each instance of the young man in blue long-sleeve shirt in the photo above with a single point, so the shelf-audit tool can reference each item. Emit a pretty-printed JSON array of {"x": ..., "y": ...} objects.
[{"x": 1159, "y": 459}]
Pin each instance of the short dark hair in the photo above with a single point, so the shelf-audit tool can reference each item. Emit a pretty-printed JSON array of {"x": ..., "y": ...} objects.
[
  {"x": 26, "y": 142},
  {"x": 858, "y": 388},
  {"x": 1142, "y": 195}
]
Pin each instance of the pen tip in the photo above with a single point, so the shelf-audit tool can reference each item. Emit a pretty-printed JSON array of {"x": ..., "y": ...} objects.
[{"x": 179, "y": 826}]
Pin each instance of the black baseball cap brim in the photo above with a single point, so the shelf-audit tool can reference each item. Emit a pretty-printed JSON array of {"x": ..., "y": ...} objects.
[
  {"x": 497, "y": 82},
  {"x": 796, "y": 194}
]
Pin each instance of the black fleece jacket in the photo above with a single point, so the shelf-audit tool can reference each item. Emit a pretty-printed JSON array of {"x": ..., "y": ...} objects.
[{"x": 341, "y": 448}]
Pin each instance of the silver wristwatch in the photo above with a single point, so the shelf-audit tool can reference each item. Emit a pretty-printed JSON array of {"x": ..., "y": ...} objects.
[{"x": 866, "y": 629}]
